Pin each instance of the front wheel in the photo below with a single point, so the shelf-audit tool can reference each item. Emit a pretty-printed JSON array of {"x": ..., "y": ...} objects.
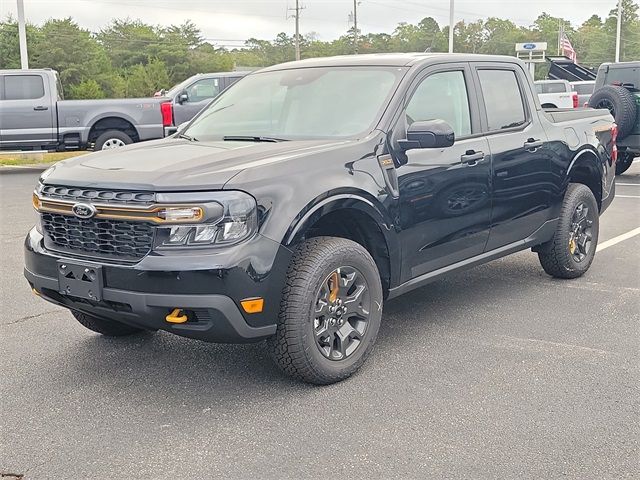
[
  {"x": 571, "y": 250},
  {"x": 330, "y": 311}
]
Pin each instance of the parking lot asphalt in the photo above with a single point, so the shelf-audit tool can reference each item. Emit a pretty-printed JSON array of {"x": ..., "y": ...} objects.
[{"x": 498, "y": 372}]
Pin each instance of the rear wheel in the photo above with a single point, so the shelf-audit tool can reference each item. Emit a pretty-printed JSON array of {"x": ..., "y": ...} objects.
[
  {"x": 109, "y": 328},
  {"x": 112, "y": 139},
  {"x": 624, "y": 162},
  {"x": 570, "y": 253},
  {"x": 330, "y": 311}
]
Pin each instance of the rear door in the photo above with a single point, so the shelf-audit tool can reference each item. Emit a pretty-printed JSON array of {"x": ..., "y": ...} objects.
[
  {"x": 520, "y": 154},
  {"x": 27, "y": 112},
  {"x": 445, "y": 203},
  {"x": 199, "y": 94}
]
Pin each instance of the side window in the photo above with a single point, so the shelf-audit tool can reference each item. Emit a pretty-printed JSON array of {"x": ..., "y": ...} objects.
[
  {"x": 502, "y": 98},
  {"x": 23, "y": 87},
  {"x": 204, "y": 89},
  {"x": 442, "y": 96}
]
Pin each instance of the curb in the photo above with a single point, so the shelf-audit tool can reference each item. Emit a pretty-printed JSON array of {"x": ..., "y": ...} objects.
[{"x": 10, "y": 169}]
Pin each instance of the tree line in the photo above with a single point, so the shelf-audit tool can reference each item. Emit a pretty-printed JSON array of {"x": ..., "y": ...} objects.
[{"x": 129, "y": 58}]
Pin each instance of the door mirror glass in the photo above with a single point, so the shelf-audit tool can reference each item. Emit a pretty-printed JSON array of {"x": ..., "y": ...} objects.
[
  {"x": 428, "y": 134},
  {"x": 183, "y": 97}
]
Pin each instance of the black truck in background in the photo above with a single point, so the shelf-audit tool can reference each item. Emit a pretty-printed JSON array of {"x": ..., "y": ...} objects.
[
  {"x": 618, "y": 90},
  {"x": 309, "y": 193}
]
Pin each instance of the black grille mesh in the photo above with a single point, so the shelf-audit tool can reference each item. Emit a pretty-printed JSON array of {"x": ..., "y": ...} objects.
[{"x": 110, "y": 238}]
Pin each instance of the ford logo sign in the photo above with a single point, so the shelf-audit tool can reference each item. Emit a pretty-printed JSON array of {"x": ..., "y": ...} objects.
[
  {"x": 83, "y": 210},
  {"x": 529, "y": 46}
]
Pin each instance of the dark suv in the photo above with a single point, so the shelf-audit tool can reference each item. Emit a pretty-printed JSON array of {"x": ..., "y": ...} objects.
[
  {"x": 308, "y": 193},
  {"x": 618, "y": 90}
]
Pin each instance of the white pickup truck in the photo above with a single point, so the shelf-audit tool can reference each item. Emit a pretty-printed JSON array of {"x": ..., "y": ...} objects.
[{"x": 556, "y": 94}]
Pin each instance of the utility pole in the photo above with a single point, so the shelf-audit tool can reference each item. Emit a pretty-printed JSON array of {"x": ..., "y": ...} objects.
[
  {"x": 559, "y": 35},
  {"x": 22, "y": 36},
  {"x": 355, "y": 25},
  {"x": 451, "y": 26},
  {"x": 618, "y": 31},
  {"x": 297, "y": 37}
]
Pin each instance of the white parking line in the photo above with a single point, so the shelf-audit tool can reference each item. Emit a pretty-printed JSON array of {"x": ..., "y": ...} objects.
[
  {"x": 618, "y": 239},
  {"x": 627, "y": 184},
  {"x": 627, "y": 196}
]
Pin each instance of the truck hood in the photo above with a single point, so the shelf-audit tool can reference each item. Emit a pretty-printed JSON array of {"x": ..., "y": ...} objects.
[{"x": 176, "y": 164}]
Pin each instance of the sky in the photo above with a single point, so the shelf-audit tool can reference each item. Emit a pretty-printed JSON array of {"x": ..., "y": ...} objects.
[{"x": 230, "y": 22}]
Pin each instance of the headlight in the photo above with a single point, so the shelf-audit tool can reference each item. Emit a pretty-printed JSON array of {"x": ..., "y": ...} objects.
[{"x": 230, "y": 219}]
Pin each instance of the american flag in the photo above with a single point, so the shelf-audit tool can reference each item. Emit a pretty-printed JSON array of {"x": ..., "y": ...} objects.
[{"x": 567, "y": 48}]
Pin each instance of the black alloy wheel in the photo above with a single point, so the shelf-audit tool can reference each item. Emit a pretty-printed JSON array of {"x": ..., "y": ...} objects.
[
  {"x": 581, "y": 236},
  {"x": 343, "y": 306}
]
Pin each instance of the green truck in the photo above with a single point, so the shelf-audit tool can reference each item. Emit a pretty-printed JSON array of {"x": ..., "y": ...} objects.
[{"x": 618, "y": 90}]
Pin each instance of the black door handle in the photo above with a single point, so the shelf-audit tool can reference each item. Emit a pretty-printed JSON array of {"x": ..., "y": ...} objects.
[
  {"x": 471, "y": 157},
  {"x": 40, "y": 108},
  {"x": 533, "y": 143}
]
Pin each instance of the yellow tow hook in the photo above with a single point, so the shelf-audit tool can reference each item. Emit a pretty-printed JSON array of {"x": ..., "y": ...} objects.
[{"x": 176, "y": 316}]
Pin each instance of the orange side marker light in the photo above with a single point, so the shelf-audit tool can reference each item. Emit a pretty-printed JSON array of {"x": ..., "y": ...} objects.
[{"x": 253, "y": 305}]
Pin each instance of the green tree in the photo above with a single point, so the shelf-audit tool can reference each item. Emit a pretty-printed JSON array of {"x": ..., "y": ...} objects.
[{"x": 86, "y": 89}]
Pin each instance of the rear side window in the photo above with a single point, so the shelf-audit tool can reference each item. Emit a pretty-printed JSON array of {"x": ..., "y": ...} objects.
[
  {"x": 23, "y": 87},
  {"x": 502, "y": 98}
]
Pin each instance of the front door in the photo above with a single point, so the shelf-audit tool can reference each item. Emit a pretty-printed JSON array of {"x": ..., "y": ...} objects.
[
  {"x": 445, "y": 198},
  {"x": 27, "y": 112}
]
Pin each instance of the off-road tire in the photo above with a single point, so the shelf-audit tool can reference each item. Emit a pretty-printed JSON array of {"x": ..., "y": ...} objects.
[
  {"x": 555, "y": 256},
  {"x": 293, "y": 347},
  {"x": 111, "y": 135},
  {"x": 622, "y": 105},
  {"x": 109, "y": 328}
]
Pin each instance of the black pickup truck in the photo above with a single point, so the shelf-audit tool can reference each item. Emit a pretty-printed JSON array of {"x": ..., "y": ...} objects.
[{"x": 309, "y": 193}]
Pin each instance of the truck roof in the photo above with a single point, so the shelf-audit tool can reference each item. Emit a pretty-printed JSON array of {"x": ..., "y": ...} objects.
[
  {"x": 30, "y": 70},
  {"x": 391, "y": 60}
]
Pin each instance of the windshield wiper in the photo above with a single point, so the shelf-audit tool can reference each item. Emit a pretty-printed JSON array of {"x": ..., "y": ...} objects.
[
  {"x": 187, "y": 137},
  {"x": 252, "y": 138}
]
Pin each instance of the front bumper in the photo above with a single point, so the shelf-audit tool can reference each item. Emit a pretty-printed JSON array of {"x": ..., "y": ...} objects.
[{"x": 208, "y": 285}]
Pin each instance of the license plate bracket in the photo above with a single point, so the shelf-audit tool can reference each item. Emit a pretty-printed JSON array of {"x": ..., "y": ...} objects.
[{"x": 80, "y": 280}]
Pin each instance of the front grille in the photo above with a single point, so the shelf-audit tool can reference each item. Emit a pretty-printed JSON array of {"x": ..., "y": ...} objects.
[
  {"x": 75, "y": 194},
  {"x": 106, "y": 238}
]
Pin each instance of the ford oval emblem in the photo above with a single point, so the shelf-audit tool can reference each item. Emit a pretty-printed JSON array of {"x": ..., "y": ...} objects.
[
  {"x": 83, "y": 210},
  {"x": 529, "y": 46}
]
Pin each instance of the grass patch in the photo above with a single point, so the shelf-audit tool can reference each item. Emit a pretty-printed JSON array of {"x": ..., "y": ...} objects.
[{"x": 25, "y": 158}]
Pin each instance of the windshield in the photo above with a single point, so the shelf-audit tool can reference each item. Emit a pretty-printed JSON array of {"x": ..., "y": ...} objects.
[{"x": 306, "y": 103}]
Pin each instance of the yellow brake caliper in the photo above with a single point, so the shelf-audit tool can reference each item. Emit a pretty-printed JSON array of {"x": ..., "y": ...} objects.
[
  {"x": 334, "y": 286},
  {"x": 572, "y": 245}
]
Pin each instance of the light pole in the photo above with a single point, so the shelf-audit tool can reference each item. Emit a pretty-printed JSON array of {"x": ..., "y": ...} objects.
[
  {"x": 22, "y": 36},
  {"x": 451, "y": 27},
  {"x": 297, "y": 29},
  {"x": 355, "y": 25},
  {"x": 619, "y": 28}
]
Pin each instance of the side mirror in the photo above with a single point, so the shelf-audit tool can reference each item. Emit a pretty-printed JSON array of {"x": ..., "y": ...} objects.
[
  {"x": 183, "y": 97},
  {"x": 428, "y": 134}
]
